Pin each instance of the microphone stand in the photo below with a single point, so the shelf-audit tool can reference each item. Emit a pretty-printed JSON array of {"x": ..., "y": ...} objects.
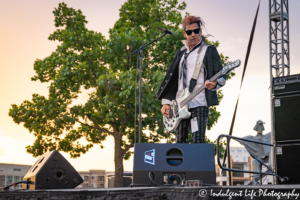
[
  {"x": 140, "y": 52},
  {"x": 282, "y": 179}
]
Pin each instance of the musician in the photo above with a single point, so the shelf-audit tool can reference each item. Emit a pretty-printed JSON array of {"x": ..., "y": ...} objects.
[{"x": 178, "y": 77}]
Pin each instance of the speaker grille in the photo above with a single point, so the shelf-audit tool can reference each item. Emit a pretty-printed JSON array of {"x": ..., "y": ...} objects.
[
  {"x": 288, "y": 163},
  {"x": 287, "y": 118}
]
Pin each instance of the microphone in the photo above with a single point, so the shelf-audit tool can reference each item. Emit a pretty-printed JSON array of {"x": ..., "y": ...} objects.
[{"x": 167, "y": 31}]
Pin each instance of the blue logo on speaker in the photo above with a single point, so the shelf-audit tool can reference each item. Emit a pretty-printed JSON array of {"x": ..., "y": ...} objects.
[{"x": 150, "y": 157}]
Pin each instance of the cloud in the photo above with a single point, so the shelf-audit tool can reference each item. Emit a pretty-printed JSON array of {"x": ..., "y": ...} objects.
[
  {"x": 13, "y": 151},
  {"x": 233, "y": 44},
  {"x": 2, "y": 151},
  {"x": 293, "y": 56},
  {"x": 238, "y": 40}
]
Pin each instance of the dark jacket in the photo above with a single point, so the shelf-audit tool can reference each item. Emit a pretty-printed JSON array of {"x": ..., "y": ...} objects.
[{"x": 169, "y": 86}]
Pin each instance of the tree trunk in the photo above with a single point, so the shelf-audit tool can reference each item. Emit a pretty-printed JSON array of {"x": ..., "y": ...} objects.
[{"x": 118, "y": 161}]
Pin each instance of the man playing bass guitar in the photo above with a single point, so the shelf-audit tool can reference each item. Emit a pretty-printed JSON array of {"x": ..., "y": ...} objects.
[{"x": 181, "y": 75}]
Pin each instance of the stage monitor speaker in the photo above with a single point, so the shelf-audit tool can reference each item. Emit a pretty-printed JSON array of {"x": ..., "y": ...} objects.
[
  {"x": 287, "y": 118},
  {"x": 286, "y": 85},
  {"x": 288, "y": 162},
  {"x": 52, "y": 171},
  {"x": 166, "y": 162}
]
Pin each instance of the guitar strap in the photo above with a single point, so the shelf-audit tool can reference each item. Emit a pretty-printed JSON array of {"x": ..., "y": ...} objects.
[{"x": 198, "y": 66}]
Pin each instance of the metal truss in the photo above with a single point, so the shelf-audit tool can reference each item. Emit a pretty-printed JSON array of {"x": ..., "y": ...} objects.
[
  {"x": 279, "y": 38},
  {"x": 279, "y": 54}
]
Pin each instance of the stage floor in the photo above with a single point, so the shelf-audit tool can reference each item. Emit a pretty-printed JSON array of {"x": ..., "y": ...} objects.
[{"x": 204, "y": 192}]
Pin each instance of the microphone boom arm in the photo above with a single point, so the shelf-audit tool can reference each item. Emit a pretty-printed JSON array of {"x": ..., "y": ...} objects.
[{"x": 144, "y": 46}]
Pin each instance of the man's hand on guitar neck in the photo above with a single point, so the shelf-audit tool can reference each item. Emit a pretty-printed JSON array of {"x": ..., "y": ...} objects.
[
  {"x": 165, "y": 110},
  {"x": 210, "y": 85}
]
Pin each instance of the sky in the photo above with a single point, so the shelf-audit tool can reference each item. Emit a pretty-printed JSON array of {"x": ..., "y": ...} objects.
[{"x": 26, "y": 25}]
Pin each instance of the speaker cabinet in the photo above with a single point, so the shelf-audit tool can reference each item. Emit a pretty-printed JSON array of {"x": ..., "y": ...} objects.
[
  {"x": 52, "y": 171},
  {"x": 166, "y": 162},
  {"x": 287, "y": 118},
  {"x": 288, "y": 162}
]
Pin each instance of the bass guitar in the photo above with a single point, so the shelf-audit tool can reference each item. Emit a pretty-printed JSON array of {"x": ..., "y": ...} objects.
[{"x": 179, "y": 107}]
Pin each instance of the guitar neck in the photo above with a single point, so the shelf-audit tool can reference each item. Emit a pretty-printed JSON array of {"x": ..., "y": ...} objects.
[{"x": 197, "y": 91}]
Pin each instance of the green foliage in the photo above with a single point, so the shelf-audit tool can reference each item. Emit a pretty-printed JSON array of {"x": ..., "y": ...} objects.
[
  {"x": 76, "y": 64},
  {"x": 222, "y": 146},
  {"x": 87, "y": 62}
]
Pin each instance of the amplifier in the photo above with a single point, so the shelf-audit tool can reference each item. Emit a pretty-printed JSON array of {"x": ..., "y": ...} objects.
[
  {"x": 288, "y": 162},
  {"x": 287, "y": 118},
  {"x": 286, "y": 85},
  {"x": 173, "y": 163}
]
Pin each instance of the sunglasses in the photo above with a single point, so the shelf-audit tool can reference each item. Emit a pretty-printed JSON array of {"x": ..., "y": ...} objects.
[{"x": 189, "y": 32}]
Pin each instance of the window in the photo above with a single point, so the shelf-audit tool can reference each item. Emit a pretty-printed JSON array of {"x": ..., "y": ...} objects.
[
  {"x": 86, "y": 178},
  {"x": 100, "y": 178},
  {"x": 9, "y": 180},
  {"x": 238, "y": 174},
  {"x": 17, "y": 169},
  {"x": 22, "y": 178},
  {"x": 86, "y": 185},
  {"x": 93, "y": 185},
  {"x": 232, "y": 150},
  {"x": 16, "y": 179},
  {"x": 100, "y": 185},
  {"x": 224, "y": 183},
  {"x": 3, "y": 180},
  {"x": 224, "y": 171},
  {"x": 218, "y": 172},
  {"x": 93, "y": 177},
  {"x": 239, "y": 150}
]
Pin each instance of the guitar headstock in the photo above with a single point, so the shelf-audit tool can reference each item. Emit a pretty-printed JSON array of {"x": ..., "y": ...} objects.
[{"x": 230, "y": 66}]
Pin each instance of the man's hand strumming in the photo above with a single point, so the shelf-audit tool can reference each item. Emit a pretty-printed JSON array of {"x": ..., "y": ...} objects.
[{"x": 165, "y": 110}]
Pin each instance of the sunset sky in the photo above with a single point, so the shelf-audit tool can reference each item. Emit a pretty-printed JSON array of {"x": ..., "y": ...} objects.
[{"x": 26, "y": 25}]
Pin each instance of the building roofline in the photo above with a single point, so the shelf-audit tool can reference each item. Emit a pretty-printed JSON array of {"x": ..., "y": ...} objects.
[{"x": 14, "y": 164}]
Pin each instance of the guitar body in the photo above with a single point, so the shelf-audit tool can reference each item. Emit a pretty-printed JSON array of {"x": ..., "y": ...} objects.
[{"x": 177, "y": 113}]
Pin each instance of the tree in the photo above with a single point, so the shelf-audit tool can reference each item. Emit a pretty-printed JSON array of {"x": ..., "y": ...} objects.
[{"x": 86, "y": 61}]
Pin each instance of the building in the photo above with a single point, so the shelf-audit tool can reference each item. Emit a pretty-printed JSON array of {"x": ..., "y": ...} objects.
[
  {"x": 12, "y": 173},
  {"x": 102, "y": 179},
  {"x": 93, "y": 179},
  {"x": 239, "y": 159}
]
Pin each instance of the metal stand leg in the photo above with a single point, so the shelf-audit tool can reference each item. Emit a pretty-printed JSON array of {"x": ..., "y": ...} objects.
[
  {"x": 260, "y": 173},
  {"x": 228, "y": 158}
]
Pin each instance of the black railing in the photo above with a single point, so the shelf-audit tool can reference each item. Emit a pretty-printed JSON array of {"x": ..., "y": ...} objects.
[{"x": 228, "y": 157}]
